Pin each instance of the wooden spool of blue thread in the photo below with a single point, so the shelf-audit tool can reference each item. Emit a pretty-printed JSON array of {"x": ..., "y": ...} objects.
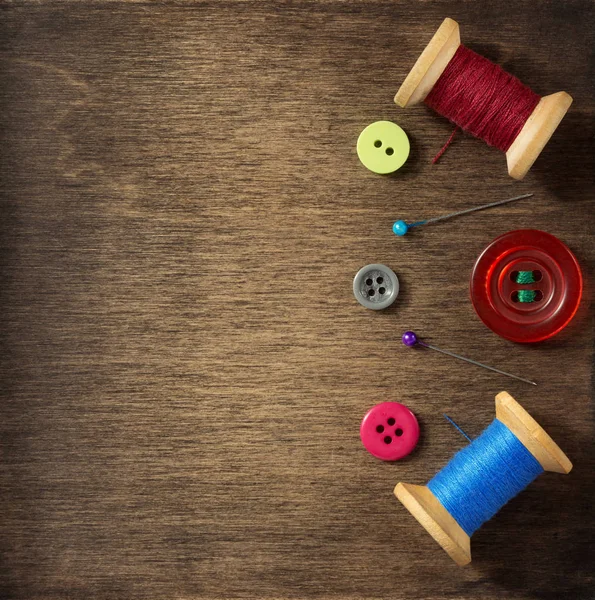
[{"x": 438, "y": 522}]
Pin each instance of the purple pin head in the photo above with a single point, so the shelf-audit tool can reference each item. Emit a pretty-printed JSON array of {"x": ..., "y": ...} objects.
[{"x": 409, "y": 338}]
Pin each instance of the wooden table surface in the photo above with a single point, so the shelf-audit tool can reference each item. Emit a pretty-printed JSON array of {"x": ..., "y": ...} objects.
[{"x": 184, "y": 367}]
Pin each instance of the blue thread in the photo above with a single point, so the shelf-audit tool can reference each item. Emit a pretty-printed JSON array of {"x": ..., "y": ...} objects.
[
  {"x": 456, "y": 427},
  {"x": 484, "y": 476}
]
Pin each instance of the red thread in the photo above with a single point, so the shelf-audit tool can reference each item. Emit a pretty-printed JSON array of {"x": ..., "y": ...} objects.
[
  {"x": 480, "y": 97},
  {"x": 445, "y": 147}
]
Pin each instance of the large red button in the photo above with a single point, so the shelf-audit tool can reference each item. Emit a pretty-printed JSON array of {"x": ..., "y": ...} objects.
[
  {"x": 554, "y": 293},
  {"x": 389, "y": 431}
]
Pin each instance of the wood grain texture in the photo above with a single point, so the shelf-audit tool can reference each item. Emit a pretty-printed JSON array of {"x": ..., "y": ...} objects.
[{"x": 184, "y": 367}]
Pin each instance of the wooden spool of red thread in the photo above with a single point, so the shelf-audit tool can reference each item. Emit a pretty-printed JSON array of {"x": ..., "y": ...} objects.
[{"x": 536, "y": 131}]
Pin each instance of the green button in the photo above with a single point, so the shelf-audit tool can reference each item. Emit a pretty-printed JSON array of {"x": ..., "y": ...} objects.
[{"x": 383, "y": 147}]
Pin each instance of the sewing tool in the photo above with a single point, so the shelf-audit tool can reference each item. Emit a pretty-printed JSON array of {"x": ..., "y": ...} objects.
[
  {"x": 483, "y": 99},
  {"x": 482, "y": 477},
  {"x": 401, "y": 228},
  {"x": 376, "y": 286},
  {"x": 457, "y": 428},
  {"x": 410, "y": 339},
  {"x": 383, "y": 147},
  {"x": 526, "y": 286},
  {"x": 389, "y": 431}
]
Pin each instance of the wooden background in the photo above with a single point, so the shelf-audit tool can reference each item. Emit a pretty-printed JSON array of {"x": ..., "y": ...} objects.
[{"x": 183, "y": 365}]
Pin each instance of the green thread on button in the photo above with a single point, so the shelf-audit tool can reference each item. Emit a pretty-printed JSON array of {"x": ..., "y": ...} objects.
[
  {"x": 526, "y": 295},
  {"x": 383, "y": 147},
  {"x": 525, "y": 277}
]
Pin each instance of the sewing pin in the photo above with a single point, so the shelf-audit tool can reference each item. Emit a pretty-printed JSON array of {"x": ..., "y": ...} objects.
[
  {"x": 400, "y": 228},
  {"x": 410, "y": 339}
]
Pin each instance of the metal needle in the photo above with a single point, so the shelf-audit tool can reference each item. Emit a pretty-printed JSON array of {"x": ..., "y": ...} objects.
[
  {"x": 410, "y": 339},
  {"x": 401, "y": 228},
  {"x": 474, "y": 362}
]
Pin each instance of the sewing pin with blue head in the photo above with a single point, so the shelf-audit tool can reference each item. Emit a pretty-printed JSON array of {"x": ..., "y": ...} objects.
[
  {"x": 410, "y": 339},
  {"x": 400, "y": 227}
]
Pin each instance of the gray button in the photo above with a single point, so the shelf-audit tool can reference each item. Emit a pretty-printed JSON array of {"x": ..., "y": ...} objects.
[{"x": 376, "y": 286}]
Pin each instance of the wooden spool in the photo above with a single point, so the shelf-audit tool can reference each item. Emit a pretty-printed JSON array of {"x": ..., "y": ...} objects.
[
  {"x": 536, "y": 132},
  {"x": 438, "y": 522}
]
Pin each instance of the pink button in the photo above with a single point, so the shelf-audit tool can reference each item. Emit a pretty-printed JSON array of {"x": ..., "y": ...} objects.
[{"x": 389, "y": 431}]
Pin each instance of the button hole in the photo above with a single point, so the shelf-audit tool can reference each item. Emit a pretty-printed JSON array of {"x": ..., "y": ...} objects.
[
  {"x": 379, "y": 428},
  {"x": 398, "y": 432},
  {"x": 391, "y": 421},
  {"x": 369, "y": 281},
  {"x": 377, "y": 144},
  {"x": 528, "y": 296},
  {"x": 388, "y": 439},
  {"x": 536, "y": 275},
  {"x": 390, "y": 151},
  {"x": 371, "y": 292},
  {"x": 379, "y": 280},
  {"x": 381, "y": 290}
]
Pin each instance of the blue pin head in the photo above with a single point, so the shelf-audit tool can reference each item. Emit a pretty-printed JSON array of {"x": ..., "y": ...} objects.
[{"x": 400, "y": 228}]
